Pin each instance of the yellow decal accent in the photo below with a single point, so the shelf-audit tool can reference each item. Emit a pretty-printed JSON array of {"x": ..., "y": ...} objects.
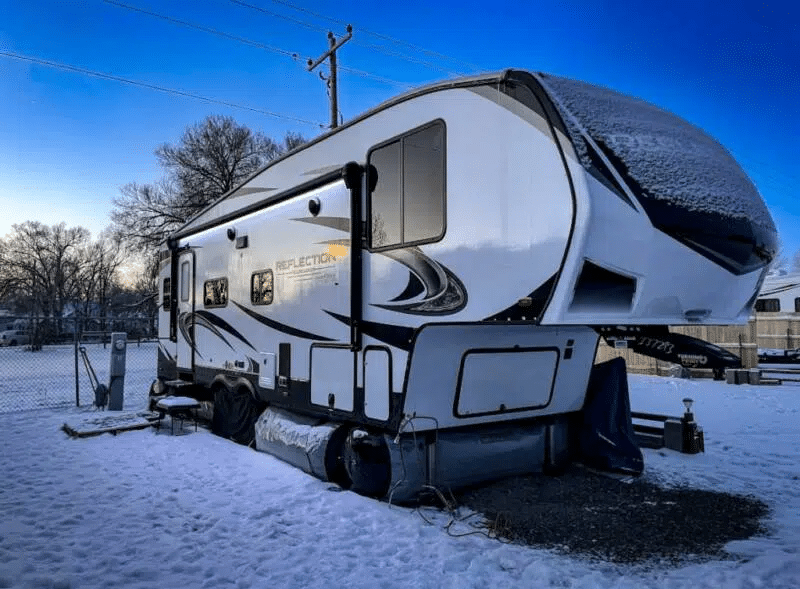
[{"x": 338, "y": 250}]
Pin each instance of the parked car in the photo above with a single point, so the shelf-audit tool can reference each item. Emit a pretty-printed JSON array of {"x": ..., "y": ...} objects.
[
  {"x": 779, "y": 356},
  {"x": 14, "y": 337}
]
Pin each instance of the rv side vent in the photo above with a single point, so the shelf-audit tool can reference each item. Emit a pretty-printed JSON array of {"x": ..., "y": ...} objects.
[{"x": 602, "y": 290}]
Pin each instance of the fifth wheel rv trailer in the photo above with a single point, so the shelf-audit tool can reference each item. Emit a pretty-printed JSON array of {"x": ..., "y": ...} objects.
[{"x": 415, "y": 298}]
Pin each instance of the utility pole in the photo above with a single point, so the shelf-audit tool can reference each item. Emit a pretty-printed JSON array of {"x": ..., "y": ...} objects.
[{"x": 331, "y": 53}]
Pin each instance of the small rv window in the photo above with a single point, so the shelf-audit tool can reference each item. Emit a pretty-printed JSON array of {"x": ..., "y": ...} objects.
[
  {"x": 261, "y": 288},
  {"x": 215, "y": 292},
  {"x": 768, "y": 305},
  {"x": 165, "y": 294},
  {"x": 797, "y": 305},
  {"x": 407, "y": 205},
  {"x": 185, "y": 281}
]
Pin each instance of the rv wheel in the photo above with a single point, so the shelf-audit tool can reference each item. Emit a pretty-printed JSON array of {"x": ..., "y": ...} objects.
[{"x": 235, "y": 414}]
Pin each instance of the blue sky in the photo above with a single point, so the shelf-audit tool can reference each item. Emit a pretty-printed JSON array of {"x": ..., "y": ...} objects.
[{"x": 69, "y": 141}]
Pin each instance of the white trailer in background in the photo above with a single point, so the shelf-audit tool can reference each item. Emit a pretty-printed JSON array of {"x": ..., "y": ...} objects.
[
  {"x": 416, "y": 297},
  {"x": 780, "y": 293}
]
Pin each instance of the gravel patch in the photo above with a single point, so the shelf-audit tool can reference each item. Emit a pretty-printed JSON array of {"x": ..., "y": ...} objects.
[{"x": 586, "y": 513}]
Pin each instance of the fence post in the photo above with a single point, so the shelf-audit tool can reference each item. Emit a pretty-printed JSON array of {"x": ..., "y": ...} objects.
[{"x": 77, "y": 379}]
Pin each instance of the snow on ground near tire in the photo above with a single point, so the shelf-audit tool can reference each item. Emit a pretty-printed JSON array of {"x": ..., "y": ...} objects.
[{"x": 146, "y": 509}]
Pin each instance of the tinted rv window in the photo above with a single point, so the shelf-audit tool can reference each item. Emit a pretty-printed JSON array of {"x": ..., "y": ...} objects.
[
  {"x": 423, "y": 184},
  {"x": 797, "y": 305},
  {"x": 768, "y": 305},
  {"x": 185, "y": 278},
  {"x": 407, "y": 205},
  {"x": 261, "y": 288},
  {"x": 165, "y": 294},
  {"x": 215, "y": 292},
  {"x": 387, "y": 196}
]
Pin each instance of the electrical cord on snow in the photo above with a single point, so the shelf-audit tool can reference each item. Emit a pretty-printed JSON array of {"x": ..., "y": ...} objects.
[{"x": 403, "y": 423}]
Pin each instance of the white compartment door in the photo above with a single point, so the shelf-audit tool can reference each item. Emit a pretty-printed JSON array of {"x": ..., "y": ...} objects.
[
  {"x": 332, "y": 376},
  {"x": 377, "y": 383}
]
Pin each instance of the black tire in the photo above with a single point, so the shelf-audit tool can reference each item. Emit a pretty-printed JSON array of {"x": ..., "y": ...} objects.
[
  {"x": 13, "y": 342},
  {"x": 235, "y": 414}
]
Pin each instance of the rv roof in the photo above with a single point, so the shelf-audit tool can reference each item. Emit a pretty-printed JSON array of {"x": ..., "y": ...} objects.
[{"x": 664, "y": 156}]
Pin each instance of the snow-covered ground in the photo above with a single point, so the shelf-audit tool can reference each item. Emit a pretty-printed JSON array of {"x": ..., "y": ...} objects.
[{"x": 146, "y": 509}]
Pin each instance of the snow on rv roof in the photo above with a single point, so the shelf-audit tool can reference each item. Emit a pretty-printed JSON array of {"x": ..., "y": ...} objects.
[{"x": 670, "y": 159}]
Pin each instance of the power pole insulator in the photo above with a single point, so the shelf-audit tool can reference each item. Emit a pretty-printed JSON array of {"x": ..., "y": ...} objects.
[{"x": 330, "y": 55}]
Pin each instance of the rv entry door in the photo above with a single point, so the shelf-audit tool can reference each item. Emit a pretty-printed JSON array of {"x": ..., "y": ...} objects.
[
  {"x": 333, "y": 364},
  {"x": 185, "y": 335}
]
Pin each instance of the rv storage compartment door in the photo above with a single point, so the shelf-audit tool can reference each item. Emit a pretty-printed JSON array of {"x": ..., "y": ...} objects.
[
  {"x": 377, "y": 387},
  {"x": 332, "y": 372},
  {"x": 499, "y": 380},
  {"x": 266, "y": 372}
]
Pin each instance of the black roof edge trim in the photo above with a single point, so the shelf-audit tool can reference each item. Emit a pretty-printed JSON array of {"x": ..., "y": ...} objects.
[
  {"x": 532, "y": 81},
  {"x": 312, "y": 184},
  {"x": 464, "y": 82}
]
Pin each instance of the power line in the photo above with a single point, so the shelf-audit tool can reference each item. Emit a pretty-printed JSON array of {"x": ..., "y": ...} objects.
[
  {"x": 282, "y": 16},
  {"x": 324, "y": 29},
  {"x": 371, "y": 76},
  {"x": 205, "y": 29},
  {"x": 295, "y": 56},
  {"x": 369, "y": 46},
  {"x": 102, "y": 75},
  {"x": 408, "y": 58},
  {"x": 378, "y": 35}
]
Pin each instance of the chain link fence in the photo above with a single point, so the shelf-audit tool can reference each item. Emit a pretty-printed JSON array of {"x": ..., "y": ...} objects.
[{"x": 52, "y": 373}]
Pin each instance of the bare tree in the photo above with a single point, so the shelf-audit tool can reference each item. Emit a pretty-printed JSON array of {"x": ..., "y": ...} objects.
[
  {"x": 145, "y": 214},
  {"x": 100, "y": 262},
  {"x": 40, "y": 269},
  {"x": 211, "y": 158}
]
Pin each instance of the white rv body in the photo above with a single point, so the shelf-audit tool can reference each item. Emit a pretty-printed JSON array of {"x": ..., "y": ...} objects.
[
  {"x": 471, "y": 305},
  {"x": 780, "y": 293}
]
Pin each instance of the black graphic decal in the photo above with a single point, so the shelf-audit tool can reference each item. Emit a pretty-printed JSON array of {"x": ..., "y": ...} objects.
[
  {"x": 163, "y": 350},
  {"x": 413, "y": 288},
  {"x": 185, "y": 325},
  {"x": 167, "y": 357},
  {"x": 538, "y": 301},
  {"x": 444, "y": 292},
  {"x": 394, "y": 335},
  {"x": 779, "y": 289},
  {"x": 216, "y": 321},
  {"x": 340, "y": 223},
  {"x": 281, "y": 327}
]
